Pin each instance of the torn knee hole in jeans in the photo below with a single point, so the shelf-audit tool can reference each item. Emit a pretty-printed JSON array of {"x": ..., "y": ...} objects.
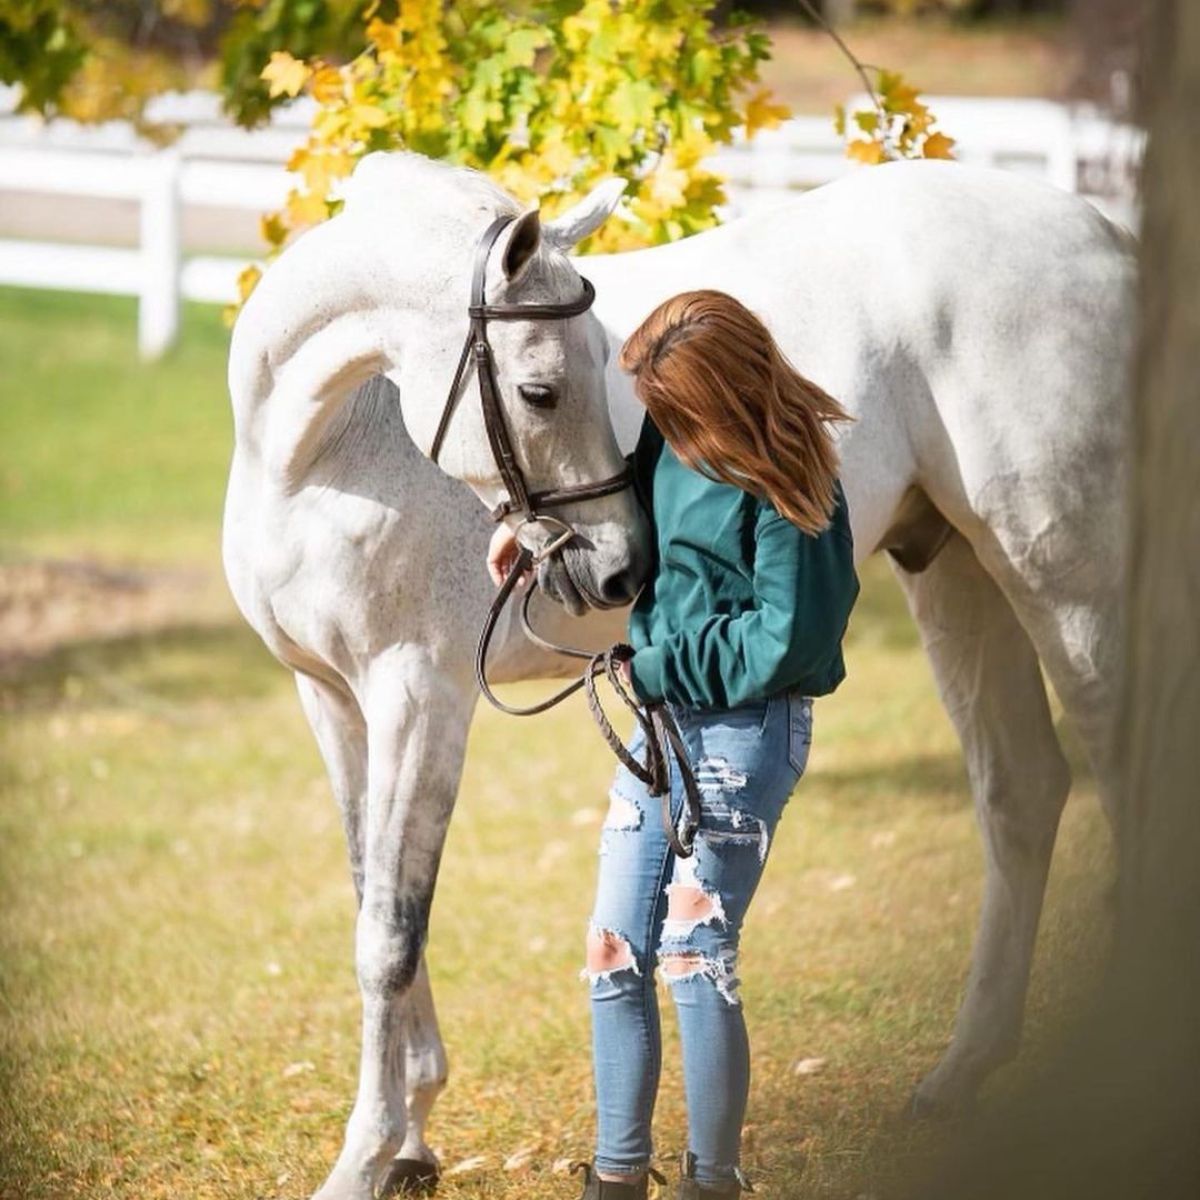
[
  {"x": 607, "y": 952},
  {"x": 679, "y": 966}
]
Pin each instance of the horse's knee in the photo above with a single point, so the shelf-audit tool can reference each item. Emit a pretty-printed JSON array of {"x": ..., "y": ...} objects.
[
  {"x": 1023, "y": 801},
  {"x": 388, "y": 943}
]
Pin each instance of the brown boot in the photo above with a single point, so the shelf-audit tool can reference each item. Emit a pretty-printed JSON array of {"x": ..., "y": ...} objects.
[
  {"x": 595, "y": 1188},
  {"x": 690, "y": 1188}
]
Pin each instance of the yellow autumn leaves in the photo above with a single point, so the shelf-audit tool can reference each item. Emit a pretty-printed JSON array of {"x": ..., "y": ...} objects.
[
  {"x": 548, "y": 99},
  {"x": 285, "y": 75},
  {"x": 896, "y": 125},
  {"x": 553, "y": 97}
]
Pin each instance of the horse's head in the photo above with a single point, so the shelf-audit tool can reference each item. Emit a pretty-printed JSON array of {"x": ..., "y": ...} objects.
[{"x": 528, "y": 419}]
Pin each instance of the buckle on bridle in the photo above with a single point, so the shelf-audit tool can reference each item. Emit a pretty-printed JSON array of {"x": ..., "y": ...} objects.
[{"x": 555, "y": 544}]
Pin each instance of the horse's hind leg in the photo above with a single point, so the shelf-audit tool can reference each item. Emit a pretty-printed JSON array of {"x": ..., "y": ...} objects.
[
  {"x": 1075, "y": 623},
  {"x": 988, "y": 677}
]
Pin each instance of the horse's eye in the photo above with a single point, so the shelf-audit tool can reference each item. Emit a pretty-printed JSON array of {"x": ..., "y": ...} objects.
[{"x": 540, "y": 395}]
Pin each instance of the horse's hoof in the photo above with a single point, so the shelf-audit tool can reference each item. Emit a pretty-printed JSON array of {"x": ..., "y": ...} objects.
[
  {"x": 922, "y": 1106},
  {"x": 409, "y": 1177}
]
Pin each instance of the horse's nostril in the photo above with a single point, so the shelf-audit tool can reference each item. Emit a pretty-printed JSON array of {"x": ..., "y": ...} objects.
[{"x": 618, "y": 588}]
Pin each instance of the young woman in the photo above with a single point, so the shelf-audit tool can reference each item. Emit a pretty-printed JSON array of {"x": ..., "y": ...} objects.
[{"x": 738, "y": 626}]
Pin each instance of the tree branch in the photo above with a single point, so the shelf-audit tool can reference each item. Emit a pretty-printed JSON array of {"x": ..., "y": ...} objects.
[{"x": 857, "y": 64}]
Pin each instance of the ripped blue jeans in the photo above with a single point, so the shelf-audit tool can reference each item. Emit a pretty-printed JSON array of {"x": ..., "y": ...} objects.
[{"x": 685, "y": 915}]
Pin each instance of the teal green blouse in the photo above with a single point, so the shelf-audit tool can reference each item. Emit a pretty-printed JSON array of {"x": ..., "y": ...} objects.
[{"x": 740, "y": 603}]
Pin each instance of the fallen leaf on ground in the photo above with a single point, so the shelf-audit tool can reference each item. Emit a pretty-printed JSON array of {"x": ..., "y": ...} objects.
[
  {"x": 518, "y": 1160},
  {"x": 468, "y": 1164}
]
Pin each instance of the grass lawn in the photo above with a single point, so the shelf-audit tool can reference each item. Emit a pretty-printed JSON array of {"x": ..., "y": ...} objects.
[
  {"x": 101, "y": 454},
  {"x": 178, "y": 1014}
]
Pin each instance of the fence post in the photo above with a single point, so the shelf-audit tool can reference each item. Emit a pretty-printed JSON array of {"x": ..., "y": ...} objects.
[
  {"x": 161, "y": 237},
  {"x": 1062, "y": 158}
]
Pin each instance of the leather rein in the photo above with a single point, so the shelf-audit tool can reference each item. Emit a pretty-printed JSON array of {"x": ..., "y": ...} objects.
[{"x": 661, "y": 732}]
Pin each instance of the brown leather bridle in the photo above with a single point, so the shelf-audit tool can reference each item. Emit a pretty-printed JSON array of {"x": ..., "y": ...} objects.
[
  {"x": 657, "y": 724},
  {"x": 519, "y": 499}
]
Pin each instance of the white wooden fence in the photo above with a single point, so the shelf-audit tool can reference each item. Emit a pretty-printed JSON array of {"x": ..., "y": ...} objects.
[{"x": 217, "y": 166}]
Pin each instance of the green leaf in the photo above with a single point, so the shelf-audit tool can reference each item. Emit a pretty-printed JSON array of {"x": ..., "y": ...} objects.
[
  {"x": 521, "y": 45},
  {"x": 701, "y": 66},
  {"x": 610, "y": 140},
  {"x": 602, "y": 45},
  {"x": 632, "y": 103},
  {"x": 473, "y": 111},
  {"x": 759, "y": 45}
]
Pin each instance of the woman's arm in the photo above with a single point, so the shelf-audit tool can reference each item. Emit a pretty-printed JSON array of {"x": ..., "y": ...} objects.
[{"x": 804, "y": 589}]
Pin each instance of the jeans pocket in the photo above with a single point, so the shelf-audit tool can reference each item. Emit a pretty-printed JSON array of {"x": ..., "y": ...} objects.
[
  {"x": 753, "y": 715},
  {"x": 750, "y": 717},
  {"x": 799, "y": 730}
]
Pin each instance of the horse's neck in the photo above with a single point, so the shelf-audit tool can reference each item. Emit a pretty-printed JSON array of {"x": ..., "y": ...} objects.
[{"x": 326, "y": 318}]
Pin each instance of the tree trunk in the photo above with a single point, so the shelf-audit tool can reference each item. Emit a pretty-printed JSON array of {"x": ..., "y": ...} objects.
[{"x": 1159, "y": 737}]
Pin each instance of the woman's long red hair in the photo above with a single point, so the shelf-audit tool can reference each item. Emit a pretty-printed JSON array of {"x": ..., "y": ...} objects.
[{"x": 731, "y": 405}]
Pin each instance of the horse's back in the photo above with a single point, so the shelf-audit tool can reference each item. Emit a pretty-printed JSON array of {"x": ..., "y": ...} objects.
[{"x": 977, "y": 323}]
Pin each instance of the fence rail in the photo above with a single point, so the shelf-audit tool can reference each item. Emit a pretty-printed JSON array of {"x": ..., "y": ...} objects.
[{"x": 214, "y": 165}]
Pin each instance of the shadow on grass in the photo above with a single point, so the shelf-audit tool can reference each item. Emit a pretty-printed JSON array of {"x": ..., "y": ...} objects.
[
  {"x": 938, "y": 781},
  {"x": 175, "y": 666}
]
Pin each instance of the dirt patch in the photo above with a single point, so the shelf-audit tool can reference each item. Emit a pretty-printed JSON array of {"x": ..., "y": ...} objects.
[{"x": 46, "y": 604}]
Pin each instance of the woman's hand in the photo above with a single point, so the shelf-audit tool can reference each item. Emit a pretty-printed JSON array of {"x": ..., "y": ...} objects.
[
  {"x": 502, "y": 555},
  {"x": 626, "y": 675}
]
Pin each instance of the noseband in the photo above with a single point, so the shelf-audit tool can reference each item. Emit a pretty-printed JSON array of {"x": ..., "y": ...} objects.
[{"x": 659, "y": 728}]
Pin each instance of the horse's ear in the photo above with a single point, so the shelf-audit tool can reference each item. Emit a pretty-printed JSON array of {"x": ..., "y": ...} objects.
[
  {"x": 522, "y": 243},
  {"x": 585, "y": 217}
]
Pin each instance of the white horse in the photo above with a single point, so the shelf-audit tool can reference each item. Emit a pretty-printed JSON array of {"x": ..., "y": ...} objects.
[{"x": 975, "y": 323}]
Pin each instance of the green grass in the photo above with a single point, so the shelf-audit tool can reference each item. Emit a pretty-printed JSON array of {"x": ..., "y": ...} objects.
[
  {"x": 100, "y": 453},
  {"x": 178, "y": 1014}
]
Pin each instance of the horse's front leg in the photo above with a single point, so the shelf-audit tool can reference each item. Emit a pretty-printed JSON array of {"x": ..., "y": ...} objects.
[
  {"x": 416, "y": 1168},
  {"x": 417, "y": 720}
]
